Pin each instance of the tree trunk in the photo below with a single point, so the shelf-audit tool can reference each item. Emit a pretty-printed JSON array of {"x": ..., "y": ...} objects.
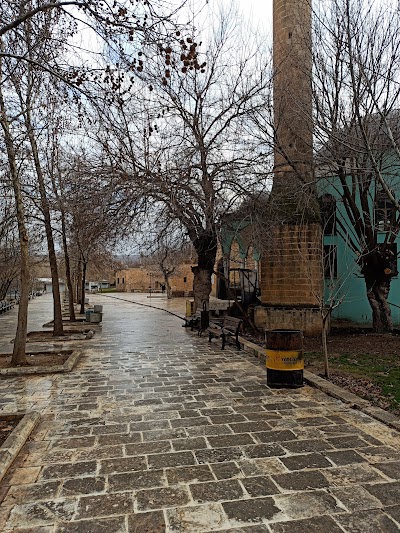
[
  {"x": 79, "y": 285},
  {"x": 19, "y": 350},
  {"x": 167, "y": 285},
  {"x": 377, "y": 294},
  {"x": 83, "y": 283},
  {"x": 169, "y": 290},
  {"x": 4, "y": 289},
  {"x": 58, "y": 323},
  {"x": 71, "y": 307},
  {"x": 325, "y": 319},
  {"x": 378, "y": 268},
  {"x": 68, "y": 274},
  {"x": 206, "y": 248}
]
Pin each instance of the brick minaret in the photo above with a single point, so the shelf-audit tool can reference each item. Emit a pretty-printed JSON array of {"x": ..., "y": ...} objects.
[{"x": 291, "y": 270}]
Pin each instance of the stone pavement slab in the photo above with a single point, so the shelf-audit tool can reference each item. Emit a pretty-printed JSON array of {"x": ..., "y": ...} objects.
[{"x": 156, "y": 430}]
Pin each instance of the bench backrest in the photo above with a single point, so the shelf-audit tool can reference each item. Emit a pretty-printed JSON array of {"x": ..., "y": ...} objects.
[{"x": 231, "y": 322}]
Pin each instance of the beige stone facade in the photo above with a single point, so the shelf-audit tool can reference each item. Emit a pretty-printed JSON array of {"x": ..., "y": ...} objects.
[
  {"x": 292, "y": 273},
  {"x": 141, "y": 279}
]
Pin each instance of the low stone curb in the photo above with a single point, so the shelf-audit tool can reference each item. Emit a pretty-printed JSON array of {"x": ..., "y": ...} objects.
[
  {"x": 76, "y": 336},
  {"x": 34, "y": 370},
  {"x": 78, "y": 323},
  {"x": 14, "y": 442},
  {"x": 333, "y": 390}
]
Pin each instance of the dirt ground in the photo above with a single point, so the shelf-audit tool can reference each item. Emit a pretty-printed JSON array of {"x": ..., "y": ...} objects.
[
  {"x": 362, "y": 362},
  {"x": 356, "y": 343},
  {"x": 37, "y": 359}
]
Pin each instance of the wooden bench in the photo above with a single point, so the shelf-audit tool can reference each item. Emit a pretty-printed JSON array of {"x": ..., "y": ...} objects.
[
  {"x": 228, "y": 330},
  {"x": 5, "y": 306}
]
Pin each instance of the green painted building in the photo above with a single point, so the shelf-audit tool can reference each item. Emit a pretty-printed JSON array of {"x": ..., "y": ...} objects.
[{"x": 344, "y": 283}]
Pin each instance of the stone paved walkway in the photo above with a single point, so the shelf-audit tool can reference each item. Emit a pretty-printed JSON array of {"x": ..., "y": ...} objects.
[{"x": 156, "y": 430}]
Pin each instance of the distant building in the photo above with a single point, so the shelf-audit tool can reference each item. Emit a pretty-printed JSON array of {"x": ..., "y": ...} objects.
[
  {"x": 46, "y": 285},
  {"x": 97, "y": 285},
  {"x": 144, "y": 278}
]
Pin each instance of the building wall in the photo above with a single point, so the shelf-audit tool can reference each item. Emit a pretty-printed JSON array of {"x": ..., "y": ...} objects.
[
  {"x": 140, "y": 279},
  {"x": 348, "y": 286},
  {"x": 291, "y": 275}
]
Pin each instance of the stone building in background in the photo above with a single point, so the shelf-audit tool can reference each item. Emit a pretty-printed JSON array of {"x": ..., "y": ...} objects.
[{"x": 142, "y": 278}]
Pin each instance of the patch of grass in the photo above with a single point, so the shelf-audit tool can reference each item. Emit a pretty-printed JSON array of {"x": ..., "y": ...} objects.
[
  {"x": 382, "y": 371},
  {"x": 109, "y": 289}
]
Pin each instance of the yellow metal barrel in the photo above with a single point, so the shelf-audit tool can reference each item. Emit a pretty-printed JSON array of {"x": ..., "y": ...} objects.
[
  {"x": 189, "y": 308},
  {"x": 284, "y": 358}
]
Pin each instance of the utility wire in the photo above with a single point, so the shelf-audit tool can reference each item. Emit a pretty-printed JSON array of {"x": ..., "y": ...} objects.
[{"x": 144, "y": 305}]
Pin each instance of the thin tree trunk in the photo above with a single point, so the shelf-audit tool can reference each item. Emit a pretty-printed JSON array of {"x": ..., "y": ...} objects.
[
  {"x": 67, "y": 269},
  {"x": 4, "y": 288},
  {"x": 19, "y": 351},
  {"x": 82, "y": 310},
  {"x": 167, "y": 274},
  {"x": 57, "y": 310},
  {"x": 169, "y": 290},
  {"x": 71, "y": 307},
  {"x": 325, "y": 317},
  {"x": 79, "y": 295}
]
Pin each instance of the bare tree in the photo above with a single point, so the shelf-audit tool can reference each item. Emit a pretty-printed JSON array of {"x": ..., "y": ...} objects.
[
  {"x": 88, "y": 205},
  {"x": 18, "y": 357},
  {"x": 32, "y": 35},
  {"x": 9, "y": 248},
  {"x": 356, "y": 95},
  {"x": 179, "y": 144},
  {"x": 169, "y": 248}
]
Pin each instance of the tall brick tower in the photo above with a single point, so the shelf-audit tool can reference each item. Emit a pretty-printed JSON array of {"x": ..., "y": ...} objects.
[{"x": 291, "y": 270}]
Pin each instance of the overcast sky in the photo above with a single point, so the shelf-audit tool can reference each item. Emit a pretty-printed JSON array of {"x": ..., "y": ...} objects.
[{"x": 259, "y": 11}]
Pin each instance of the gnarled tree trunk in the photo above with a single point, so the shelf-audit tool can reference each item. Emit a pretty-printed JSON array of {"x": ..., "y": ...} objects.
[
  {"x": 378, "y": 268},
  {"x": 377, "y": 293},
  {"x": 206, "y": 248}
]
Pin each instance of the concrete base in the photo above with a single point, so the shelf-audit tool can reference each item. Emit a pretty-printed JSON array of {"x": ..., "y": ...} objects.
[{"x": 306, "y": 319}]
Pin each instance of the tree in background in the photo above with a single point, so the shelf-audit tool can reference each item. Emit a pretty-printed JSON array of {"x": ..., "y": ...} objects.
[
  {"x": 356, "y": 100},
  {"x": 9, "y": 248},
  {"x": 36, "y": 53},
  {"x": 178, "y": 145}
]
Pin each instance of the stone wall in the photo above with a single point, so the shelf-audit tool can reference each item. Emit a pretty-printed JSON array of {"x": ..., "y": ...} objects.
[
  {"x": 291, "y": 275},
  {"x": 139, "y": 279},
  {"x": 307, "y": 320}
]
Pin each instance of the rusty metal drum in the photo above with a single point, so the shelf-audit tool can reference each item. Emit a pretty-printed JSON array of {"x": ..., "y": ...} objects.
[{"x": 284, "y": 358}]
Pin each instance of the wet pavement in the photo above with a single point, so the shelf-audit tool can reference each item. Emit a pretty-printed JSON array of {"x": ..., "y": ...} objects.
[{"x": 157, "y": 430}]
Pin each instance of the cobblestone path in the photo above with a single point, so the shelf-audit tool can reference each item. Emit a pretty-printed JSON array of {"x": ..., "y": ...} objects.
[{"x": 156, "y": 430}]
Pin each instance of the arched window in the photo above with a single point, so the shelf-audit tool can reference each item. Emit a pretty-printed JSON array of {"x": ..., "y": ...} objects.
[{"x": 328, "y": 214}]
